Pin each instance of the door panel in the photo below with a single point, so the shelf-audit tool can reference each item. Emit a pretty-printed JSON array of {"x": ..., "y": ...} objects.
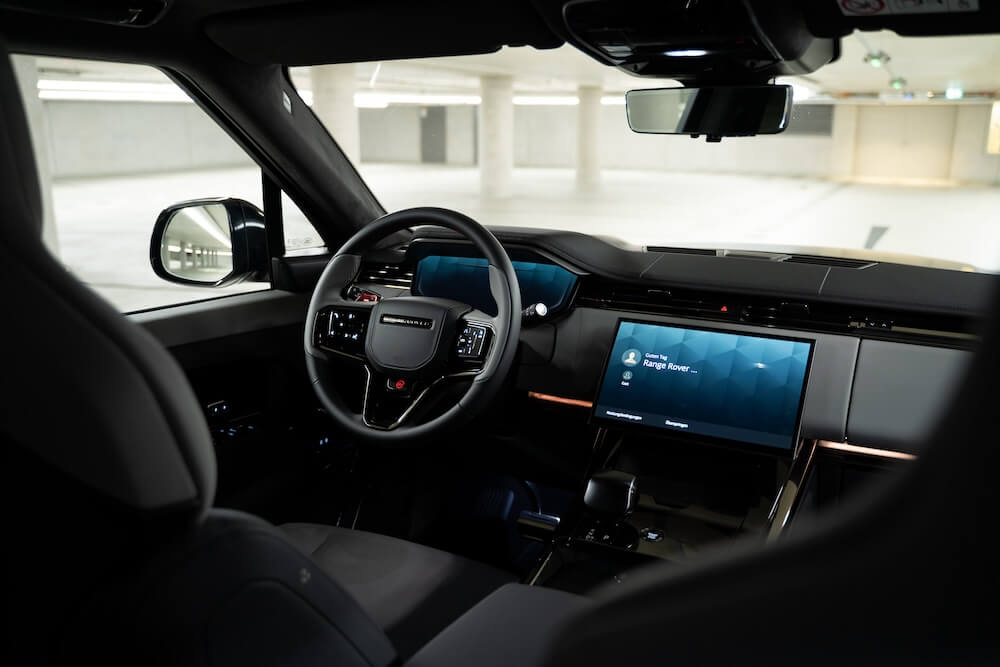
[{"x": 243, "y": 357}]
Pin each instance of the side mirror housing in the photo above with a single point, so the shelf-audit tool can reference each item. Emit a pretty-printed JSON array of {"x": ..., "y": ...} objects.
[{"x": 210, "y": 243}]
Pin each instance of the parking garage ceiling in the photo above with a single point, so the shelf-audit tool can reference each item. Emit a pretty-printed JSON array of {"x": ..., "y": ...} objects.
[{"x": 927, "y": 63}]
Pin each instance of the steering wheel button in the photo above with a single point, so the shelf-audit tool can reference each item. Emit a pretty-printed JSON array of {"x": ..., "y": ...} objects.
[{"x": 399, "y": 386}]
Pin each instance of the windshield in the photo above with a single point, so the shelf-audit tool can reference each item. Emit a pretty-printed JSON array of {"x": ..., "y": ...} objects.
[{"x": 892, "y": 153}]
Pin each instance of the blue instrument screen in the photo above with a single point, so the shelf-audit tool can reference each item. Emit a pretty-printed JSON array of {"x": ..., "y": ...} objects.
[
  {"x": 466, "y": 279},
  {"x": 716, "y": 384}
]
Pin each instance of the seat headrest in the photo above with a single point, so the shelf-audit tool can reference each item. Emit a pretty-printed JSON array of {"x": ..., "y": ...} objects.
[{"x": 86, "y": 391}]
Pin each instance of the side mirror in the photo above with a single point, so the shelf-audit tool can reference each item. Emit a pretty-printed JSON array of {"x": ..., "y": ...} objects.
[
  {"x": 717, "y": 111},
  {"x": 210, "y": 242}
]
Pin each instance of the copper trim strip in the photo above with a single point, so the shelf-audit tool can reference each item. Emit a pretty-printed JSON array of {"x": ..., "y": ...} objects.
[
  {"x": 560, "y": 399},
  {"x": 865, "y": 451}
]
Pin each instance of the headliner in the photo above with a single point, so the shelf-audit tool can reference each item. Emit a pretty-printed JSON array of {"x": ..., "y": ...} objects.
[{"x": 306, "y": 32}]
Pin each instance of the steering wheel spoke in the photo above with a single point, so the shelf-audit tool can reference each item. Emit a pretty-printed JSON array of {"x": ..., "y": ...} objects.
[
  {"x": 474, "y": 338},
  {"x": 342, "y": 329}
]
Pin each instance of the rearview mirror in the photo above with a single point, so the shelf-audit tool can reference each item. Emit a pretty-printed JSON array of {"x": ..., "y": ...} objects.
[
  {"x": 210, "y": 242},
  {"x": 718, "y": 111}
]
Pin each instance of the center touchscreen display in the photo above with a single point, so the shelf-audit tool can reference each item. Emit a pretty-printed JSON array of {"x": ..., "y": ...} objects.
[{"x": 714, "y": 384}]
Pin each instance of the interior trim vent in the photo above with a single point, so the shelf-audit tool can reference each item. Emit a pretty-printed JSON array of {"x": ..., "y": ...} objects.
[
  {"x": 773, "y": 311},
  {"x": 839, "y": 262},
  {"x": 680, "y": 251}
]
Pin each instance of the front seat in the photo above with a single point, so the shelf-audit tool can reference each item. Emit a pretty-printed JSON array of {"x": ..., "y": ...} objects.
[{"x": 109, "y": 476}]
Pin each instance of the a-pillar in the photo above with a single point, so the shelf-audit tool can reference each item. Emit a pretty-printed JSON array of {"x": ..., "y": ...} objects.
[
  {"x": 333, "y": 89},
  {"x": 496, "y": 135},
  {"x": 588, "y": 137},
  {"x": 27, "y": 78}
]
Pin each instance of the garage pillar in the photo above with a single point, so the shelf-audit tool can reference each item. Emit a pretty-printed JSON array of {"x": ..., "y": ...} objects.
[
  {"x": 26, "y": 71},
  {"x": 333, "y": 89},
  {"x": 496, "y": 135},
  {"x": 845, "y": 129},
  {"x": 588, "y": 137}
]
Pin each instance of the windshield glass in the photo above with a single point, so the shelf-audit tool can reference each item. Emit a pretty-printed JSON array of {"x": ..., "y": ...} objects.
[{"x": 892, "y": 153}]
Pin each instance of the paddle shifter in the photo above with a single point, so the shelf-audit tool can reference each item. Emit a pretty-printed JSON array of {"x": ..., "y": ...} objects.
[{"x": 611, "y": 496}]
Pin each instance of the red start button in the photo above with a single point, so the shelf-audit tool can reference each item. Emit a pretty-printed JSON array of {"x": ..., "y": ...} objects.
[{"x": 400, "y": 384}]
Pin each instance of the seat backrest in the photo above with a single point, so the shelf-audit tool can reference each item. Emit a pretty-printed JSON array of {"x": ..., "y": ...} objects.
[
  {"x": 906, "y": 575},
  {"x": 109, "y": 475}
]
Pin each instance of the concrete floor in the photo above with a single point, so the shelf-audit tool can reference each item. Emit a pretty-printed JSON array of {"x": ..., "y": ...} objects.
[{"x": 104, "y": 224}]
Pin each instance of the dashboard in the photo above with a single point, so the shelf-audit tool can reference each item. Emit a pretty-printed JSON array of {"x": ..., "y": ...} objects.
[{"x": 744, "y": 350}]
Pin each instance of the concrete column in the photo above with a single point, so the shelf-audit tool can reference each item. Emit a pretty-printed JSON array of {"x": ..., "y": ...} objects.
[
  {"x": 845, "y": 129},
  {"x": 496, "y": 135},
  {"x": 26, "y": 71},
  {"x": 333, "y": 89},
  {"x": 588, "y": 138},
  {"x": 970, "y": 161}
]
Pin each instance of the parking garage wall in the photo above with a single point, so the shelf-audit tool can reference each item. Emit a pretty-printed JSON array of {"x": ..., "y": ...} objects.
[
  {"x": 95, "y": 139},
  {"x": 891, "y": 143}
]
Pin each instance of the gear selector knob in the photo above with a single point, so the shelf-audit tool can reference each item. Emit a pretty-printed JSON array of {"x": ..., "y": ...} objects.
[{"x": 611, "y": 494}]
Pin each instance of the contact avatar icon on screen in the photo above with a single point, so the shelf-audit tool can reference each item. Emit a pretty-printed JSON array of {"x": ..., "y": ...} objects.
[{"x": 631, "y": 357}]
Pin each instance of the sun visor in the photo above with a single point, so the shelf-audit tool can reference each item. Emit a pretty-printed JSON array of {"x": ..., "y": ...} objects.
[{"x": 324, "y": 33}]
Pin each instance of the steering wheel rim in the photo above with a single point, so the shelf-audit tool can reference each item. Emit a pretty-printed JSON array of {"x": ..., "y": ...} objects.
[{"x": 341, "y": 272}]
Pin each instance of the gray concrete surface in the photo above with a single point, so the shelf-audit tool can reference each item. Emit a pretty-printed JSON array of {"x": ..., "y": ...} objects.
[{"x": 104, "y": 224}]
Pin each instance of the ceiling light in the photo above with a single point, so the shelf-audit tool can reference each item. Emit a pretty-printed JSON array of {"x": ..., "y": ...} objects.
[
  {"x": 367, "y": 100},
  {"x": 800, "y": 92},
  {"x": 898, "y": 83},
  {"x": 546, "y": 100},
  {"x": 954, "y": 91},
  {"x": 877, "y": 59},
  {"x": 686, "y": 53},
  {"x": 110, "y": 91},
  {"x": 363, "y": 103}
]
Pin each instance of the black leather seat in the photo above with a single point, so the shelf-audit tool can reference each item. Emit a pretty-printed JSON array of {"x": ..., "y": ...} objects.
[
  {"x": 109, "y": 476},
  {"x": 410, "y": 590}
]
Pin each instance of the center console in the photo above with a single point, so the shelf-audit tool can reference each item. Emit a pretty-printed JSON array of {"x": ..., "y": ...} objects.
[{"x": 698, "y": 443}]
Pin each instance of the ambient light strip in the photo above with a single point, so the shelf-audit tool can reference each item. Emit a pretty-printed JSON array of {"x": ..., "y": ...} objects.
[
  {"x": 551, "y": 398},
  {"x": 147, "y": 91},
  {"x": 865, "y": 451}
]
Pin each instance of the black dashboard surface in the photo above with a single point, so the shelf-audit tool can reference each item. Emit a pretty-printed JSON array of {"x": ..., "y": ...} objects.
[
  {"x": 904, "y": 314},
  {"x": 876, "y": 284}
]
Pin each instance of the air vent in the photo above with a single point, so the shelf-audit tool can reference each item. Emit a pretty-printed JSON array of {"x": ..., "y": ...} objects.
[
  {"x": 680, "y": 251},
  {"x": 839, "y": 262},
  {"x": 766, "y": 311},
  {"x": 389, "y": 275}
]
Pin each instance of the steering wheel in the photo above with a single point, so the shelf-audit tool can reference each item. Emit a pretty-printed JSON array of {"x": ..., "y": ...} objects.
[{"x": 410, "y": 346}]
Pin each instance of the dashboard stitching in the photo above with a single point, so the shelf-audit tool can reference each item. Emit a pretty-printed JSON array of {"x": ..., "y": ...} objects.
[
  {"x": 825, "y": 276},
  {"x": 652, "y": 264}
]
